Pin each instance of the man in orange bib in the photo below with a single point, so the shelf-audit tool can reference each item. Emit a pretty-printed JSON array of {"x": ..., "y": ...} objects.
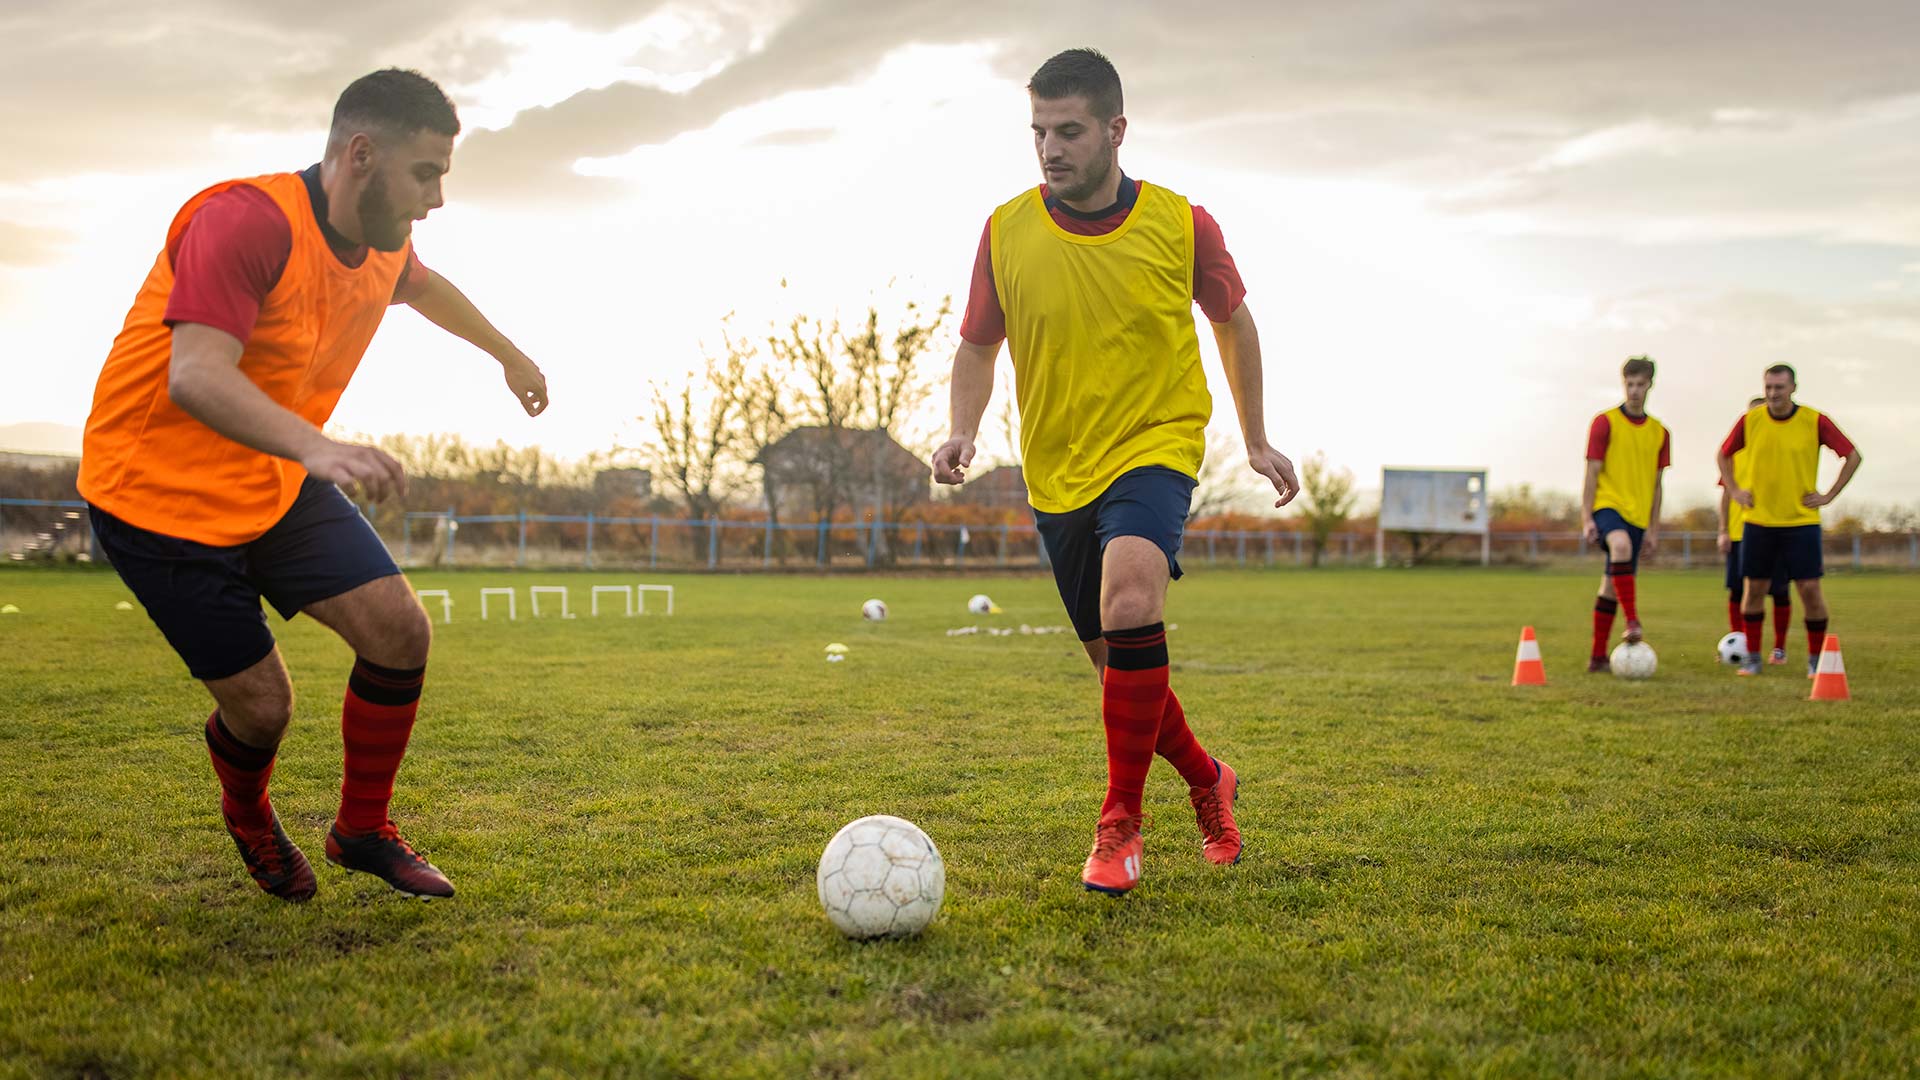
[
  {"x": 1627, "y": 450},
  {"x": 1781, "y": 441},
  {"x": 211, "y": 485},
  {"x": 1091, "y": 279}
]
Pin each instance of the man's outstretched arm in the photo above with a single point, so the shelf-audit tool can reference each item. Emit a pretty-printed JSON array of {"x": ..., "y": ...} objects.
[
  {"x": 450, "y": 310},
  {"x": 971, "y": 389},
  {"x": 1239, "y": 342}
]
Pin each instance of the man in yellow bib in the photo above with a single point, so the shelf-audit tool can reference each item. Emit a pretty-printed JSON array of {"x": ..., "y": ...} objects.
[
  {"x": 1091, "y": 279},
  {"x": 1782, "y": 441},
  {"x": 1732, "y": 530},
  {"x": 1627, "y": 450}
]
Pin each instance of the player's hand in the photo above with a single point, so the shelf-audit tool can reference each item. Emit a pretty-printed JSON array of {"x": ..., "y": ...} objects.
[
  {"x": 1724, "y": 543},
  {"x": 1743, "y": 496},
  {"x": 529, "y": 386},
  {"x": 358, "y": 470},
  {"x": 1649, "y": 541},
  {"x": 951, "y": 460},
  {"x": 1815, "y": 500},
  {"x": 1589, "y": 532},
  {"x": 1274, "y": 465}
]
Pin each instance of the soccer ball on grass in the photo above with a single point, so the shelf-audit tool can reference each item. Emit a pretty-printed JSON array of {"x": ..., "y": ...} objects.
[
  {"x": 1733, "y": 648},
  {"x": 874, "y": 611},
  {"x": 881, "y": 877},
  {"x": 1633, "y": 660}
]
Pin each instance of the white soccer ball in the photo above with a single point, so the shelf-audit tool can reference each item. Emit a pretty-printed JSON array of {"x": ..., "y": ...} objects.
[
  {"x": 1633, "y": 660},
  {"x": 980, "y": 605},
  {"x": 1733, "y": 648},
  {"x": 881, "y": 877},
  {"x": 874, "y": 611}
]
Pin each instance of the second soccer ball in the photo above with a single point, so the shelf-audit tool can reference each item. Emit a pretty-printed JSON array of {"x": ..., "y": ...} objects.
[{"x": 1633, "y": 660}]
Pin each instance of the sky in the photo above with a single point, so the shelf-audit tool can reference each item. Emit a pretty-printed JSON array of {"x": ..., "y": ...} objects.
[{"x": 1454, "y": 221}]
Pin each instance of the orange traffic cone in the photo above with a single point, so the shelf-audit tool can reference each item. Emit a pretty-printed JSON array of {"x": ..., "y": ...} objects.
[
  {"x": 1830, "y": 678},
  {"x": 1527, "y": 669}
]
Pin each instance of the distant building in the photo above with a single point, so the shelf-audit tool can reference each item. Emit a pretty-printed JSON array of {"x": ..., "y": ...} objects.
[
  {"x": 1004, "y": 488},
  {"x": 860, "y": 469},
  {"x": 609, "y": 484}
]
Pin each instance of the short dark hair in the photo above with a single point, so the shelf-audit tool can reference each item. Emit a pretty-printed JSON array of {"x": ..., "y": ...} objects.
[
  {"x": 1080, "y": 73},
  {"x": 1637, "y": 365},
  {"x": 1787, "y": 370},
  {"x": 395, "y": 102},
  {"x": 1756, "y": 402}
]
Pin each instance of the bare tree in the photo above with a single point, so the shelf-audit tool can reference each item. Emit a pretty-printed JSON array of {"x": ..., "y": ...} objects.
[
  {"x": 695, "y": 437},
  {"x": 1225, "y": 483},
  {"x": 1330, "y": 499}
]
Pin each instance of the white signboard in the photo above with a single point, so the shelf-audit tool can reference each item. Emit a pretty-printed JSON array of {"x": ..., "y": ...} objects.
[{"x": 1433, "y": 500}]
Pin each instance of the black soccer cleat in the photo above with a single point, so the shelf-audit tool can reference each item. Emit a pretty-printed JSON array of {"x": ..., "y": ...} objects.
[
  {"x": 386, "y": 856},
  {"x": 274, "y": 863}
]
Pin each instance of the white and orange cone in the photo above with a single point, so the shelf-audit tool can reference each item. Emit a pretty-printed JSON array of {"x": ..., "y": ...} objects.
[
  {"x": 1830, "y": 678},
  {"x": 1527, "y": 668}
]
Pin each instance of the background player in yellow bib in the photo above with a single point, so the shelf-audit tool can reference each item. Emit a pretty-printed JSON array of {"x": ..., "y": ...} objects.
[
  {"x": 1091, "y": 280},
  {"x": 1627, "y": 450},
  {"x": 1782, "y": 441},
  {"x": 1732, "y": 531}
]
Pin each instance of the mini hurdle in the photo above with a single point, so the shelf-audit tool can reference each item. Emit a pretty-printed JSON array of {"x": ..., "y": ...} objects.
[
  {"x": 513, "y": 611},
  {"x": 624, "y": 590},
  {"x": 446, "y": 602},
  {"x": 641, "y": 591},
  {"x": 535, "y": 592}
]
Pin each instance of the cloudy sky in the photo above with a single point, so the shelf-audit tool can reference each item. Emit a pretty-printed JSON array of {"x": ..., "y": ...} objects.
[{"x": 1454, "y": 220}]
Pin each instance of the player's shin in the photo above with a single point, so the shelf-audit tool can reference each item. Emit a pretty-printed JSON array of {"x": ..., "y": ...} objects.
[
  {"x": 376, "y": 722},
  {"x": 1133, "y": 700}
]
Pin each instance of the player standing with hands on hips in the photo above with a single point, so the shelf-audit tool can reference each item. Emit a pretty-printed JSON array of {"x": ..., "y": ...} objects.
[
  {"x": 1091, "y": 279},
  {"x": 211, "y": 485}
]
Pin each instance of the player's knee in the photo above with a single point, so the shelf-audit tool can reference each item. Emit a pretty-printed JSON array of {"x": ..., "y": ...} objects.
[
  {"x": 1126, "y": 608},
  {"x": 262, "y": 711},
  {"x": 409, "y": 637}
]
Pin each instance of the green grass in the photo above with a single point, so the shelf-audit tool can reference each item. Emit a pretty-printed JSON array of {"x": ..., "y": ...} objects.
[{"x": 1690, "y": 876}]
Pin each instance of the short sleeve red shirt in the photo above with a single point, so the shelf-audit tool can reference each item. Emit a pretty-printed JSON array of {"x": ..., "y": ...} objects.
[
  {"x": 231, "y": 255},
  {"x": 1217, "y": 287}
]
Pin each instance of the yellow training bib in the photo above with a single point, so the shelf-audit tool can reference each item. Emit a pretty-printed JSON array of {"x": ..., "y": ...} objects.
[
  {"x": 1106, "y": 359},
  {"x": 1783, "y": 460},
  {"x": 1631, "y": 469}
]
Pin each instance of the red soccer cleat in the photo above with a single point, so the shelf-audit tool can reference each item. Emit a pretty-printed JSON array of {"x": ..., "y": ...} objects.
[
  {"x": 1213, "y": 809},
  {"x": 1114, "y": 866},
  {"x": 273, "y": 861},
  {"x": 386, "y": 856},
  {"x": 1633, "y": 635}
]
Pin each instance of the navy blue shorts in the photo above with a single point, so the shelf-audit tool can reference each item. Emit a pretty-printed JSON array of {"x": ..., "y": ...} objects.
[
  {"x": 1149, "y": 502},
  {"x": 1791, "y": 552},
  {"x": 1609, "y": 520},
  {"x": 206, "y": 599},
  {"x": 1737, "y": 582}
]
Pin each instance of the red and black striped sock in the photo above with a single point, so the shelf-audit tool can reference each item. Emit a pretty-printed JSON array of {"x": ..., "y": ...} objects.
[
  {"x": 1178, "y": 746},
  {"x": 1756, "y": 622},
  {"x": 1132, "y": 700},
  {"x": 1734, "y": 622},
  {"x": 1622, "y": 575},
  {"x": 243, "y": 771},
  {"x": 1603, "y": 609},
  {"x": 1782, "y": 620},
  {"x": 375, "y": 723},
  {"x": 1816, "y": 636}
]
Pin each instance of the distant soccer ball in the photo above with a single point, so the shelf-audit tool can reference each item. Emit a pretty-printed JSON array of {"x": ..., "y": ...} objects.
[
  {"x": 980, "y": 605},
  {"x": 881, "y": 877},
  {"x": 1633, "y": 660},
  {"x": 1733, "y": 648},
  {"x": 874, "y": 611}
]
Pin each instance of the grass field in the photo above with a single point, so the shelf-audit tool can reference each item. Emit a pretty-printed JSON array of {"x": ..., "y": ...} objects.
[{"x": 1445, "y": 875}]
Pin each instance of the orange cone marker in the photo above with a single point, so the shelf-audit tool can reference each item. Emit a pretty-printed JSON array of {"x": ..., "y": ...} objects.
[
  {"x": 1830, "y": 678},
  {"x": 1527, "y": 668}
]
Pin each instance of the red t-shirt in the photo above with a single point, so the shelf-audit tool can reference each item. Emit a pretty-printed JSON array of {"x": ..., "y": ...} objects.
[
  {"x": 1830, "y": 436},
  {"x": 1601, "y": 433},
  {"x": 231, "y": 255},
  {"x": 1217, "y": 287}
]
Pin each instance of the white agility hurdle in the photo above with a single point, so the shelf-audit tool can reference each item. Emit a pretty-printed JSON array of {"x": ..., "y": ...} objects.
[
  {"x": 513, "y": 611},
  {"x": 535, "y": 592},
  {"x": 641, "y": 591},
  {"x": 624, "y": 590},
  {"x": 446, "y": 602}
]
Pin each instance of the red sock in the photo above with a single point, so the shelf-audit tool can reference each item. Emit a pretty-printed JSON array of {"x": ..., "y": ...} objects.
[
  {"x": 1622, "y": 575},
  {"x": 375, "y": 724},
  {"x": 243, "y": 771},
  {"x": 1178, "y": 746},
  {"x": 1782, "y": 619},
  {"x": 1603, "y": 610},
  {"x": 1734, "y": 622},
  {"x": 1816, "y": 636},
  {"x": 1133, "y": 698},
  {"x": 1755, "y": 623}
]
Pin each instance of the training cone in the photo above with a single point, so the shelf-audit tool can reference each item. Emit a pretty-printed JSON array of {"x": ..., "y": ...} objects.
[
  {"x": 1830, "y": 678},
  {"x": 1527, "y": 669}
]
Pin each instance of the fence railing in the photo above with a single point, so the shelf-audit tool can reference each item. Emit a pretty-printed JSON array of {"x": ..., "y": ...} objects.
[{"x": 32, "y": 528}]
